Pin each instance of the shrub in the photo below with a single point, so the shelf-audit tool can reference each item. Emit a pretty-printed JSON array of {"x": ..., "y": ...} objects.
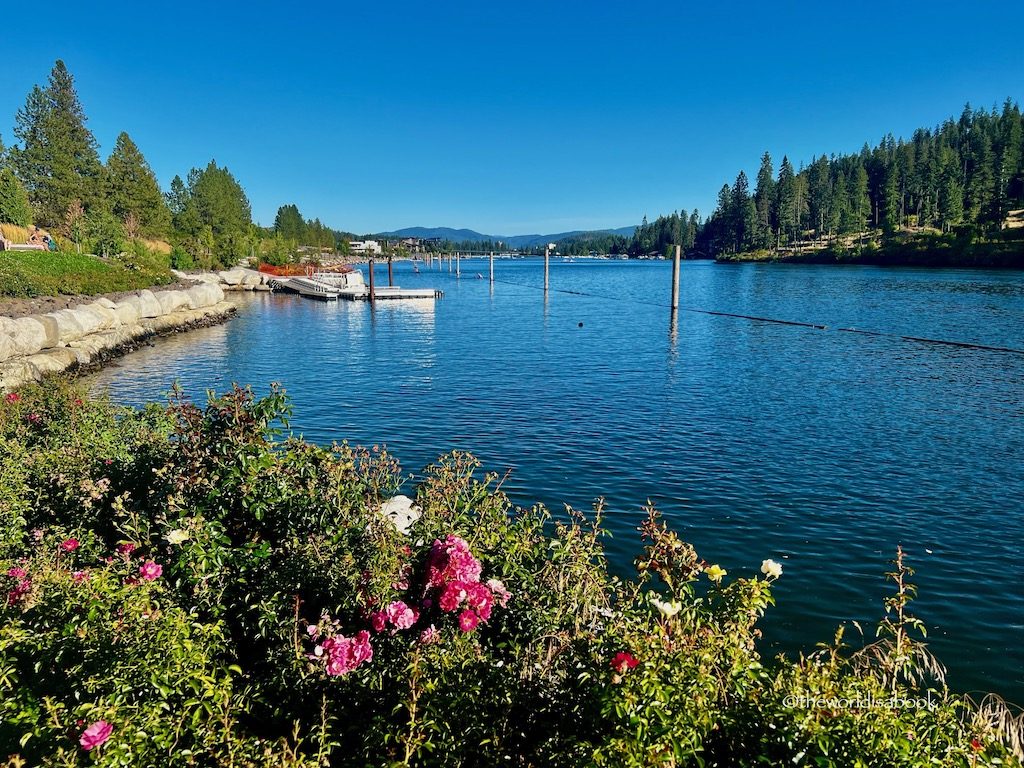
[{"x": 189, "y": 584}]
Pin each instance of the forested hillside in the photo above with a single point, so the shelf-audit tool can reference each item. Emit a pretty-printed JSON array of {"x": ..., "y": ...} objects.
[{"x": 962, "y": 177}]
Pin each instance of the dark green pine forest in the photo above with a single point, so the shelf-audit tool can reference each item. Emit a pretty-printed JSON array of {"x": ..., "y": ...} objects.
[{"x": 951, "y": 194}]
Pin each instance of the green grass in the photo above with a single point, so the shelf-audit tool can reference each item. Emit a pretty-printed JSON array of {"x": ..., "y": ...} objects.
[{"x": 42, "y": 273}]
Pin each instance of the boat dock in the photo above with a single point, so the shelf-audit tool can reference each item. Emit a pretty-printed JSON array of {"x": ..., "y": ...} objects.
[{"x": 350, "y": 286}]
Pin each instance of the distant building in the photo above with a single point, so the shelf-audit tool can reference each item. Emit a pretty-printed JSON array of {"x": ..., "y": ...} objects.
[{"x": 364, "y": 246}]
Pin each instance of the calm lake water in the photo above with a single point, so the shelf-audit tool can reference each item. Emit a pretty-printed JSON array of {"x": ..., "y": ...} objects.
[{"x": 822, "y": 449}]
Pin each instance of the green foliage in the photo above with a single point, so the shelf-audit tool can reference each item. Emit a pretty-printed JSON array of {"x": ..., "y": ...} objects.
[
  {"x": 133, "y": 192},
  {"x": 43, "y": 273},
  {"x": 14, "y": 205},
  {"x": 212, "y": 219},
  {"x": 267, "y": 547},
  {"x": 57, "y": 160},
  {"x": 969, "y": 172}
]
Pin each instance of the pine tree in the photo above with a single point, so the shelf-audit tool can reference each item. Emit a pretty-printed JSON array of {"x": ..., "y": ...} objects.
[
  {"x": 743, "y": 213},
  {"x": 14, "y": 205},
  {"x": 860, "y": 203},
  {"x": 764, "y": 196},
  {"x": 57, "y": 160},
  {"x": 785, "y": 201},
  {"x": 819, "y": 184},
  {"x": 133, "y": 191},
  {"x": 289, "y": 223}
]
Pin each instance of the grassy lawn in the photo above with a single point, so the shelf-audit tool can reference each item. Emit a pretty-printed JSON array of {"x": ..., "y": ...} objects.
[{"x": 42, "y": 273}]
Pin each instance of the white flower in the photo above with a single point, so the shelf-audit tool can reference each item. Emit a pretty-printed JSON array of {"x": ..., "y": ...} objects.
[
  {"x": 771, "y": 569},
  {"x": 666, "y": 608},
  {"x": 177, "y": 536}
]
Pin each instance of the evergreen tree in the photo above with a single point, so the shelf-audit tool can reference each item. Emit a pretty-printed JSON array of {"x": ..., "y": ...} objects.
[
  {"x": 764, "y": 196},
  {"x": 785, "y": 201},
  {"x": 214, "y": 217},
  {"x": 57, "y": 160},
  {"x": 14, "y": 205},
  {"x": 133, "y": 191},
  {"x": 289, "y": 223},
  {"x": 860, "y": 203},
  {"x": 743, "y": 213},
  {"x": 819, "y": 193}
]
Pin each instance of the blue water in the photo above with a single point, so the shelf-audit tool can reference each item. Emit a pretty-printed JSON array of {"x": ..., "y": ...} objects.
[{"x": 822, "y": 449}]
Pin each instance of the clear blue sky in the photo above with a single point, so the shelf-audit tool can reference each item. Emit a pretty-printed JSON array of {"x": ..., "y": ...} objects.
[{"x": 507, "y": 118}]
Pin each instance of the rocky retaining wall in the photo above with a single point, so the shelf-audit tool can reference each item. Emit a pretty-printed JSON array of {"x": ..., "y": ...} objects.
[{"x": 38, "y": 345}]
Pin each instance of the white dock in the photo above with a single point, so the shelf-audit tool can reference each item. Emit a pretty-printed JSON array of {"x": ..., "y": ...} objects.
[{"x": 329, "y": 286}]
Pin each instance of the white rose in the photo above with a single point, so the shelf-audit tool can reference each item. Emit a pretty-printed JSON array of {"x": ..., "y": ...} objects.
[
  {"x": 177, "y": 536},
  {"x": 771, "y": 569},
  {"x": 667, "y": 609}
]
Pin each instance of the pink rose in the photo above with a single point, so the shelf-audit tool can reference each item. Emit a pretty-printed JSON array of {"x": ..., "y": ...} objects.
[
  {"x": 79, "y": 576},
  {"x": 69, "y": 545},
  {"x": 95, "y": 734},
  {"x": 150, "y": 571},
  {"x": 17, "y": 572},
  {"x": 13, "y": 397},
  {"x": 400, "y": 615},
  {"x": 378, "y": 621},
  {"x": 468, "y": 621},
  {"x": 126, "y": 549}
]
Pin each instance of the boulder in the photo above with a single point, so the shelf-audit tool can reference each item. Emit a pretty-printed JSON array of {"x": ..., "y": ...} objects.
[
  {"x": 106, "y": 314},
  {"x": 50, "y": 328},
  {"x": 232, "y": 276},
  {"x": 7, "y": 349},
  {"x": 204, "y": 295},
  {"x": 24, "y": 336},
  {"x": 69, "y": 325},
  {"x": 127, "y": 313},
  {"x": 52, "y": 361},
  {"x": 252, "y": 278},
  {"x": 172, "y": 301},
  {"x": 15, "y": 373},
  {"x": 145, "y": 304}
]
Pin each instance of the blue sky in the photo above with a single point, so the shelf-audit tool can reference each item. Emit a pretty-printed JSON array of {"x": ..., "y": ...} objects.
[{"x": 507, "y": 118}]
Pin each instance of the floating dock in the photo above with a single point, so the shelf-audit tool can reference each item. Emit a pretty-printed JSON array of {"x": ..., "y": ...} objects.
[{"x": 330, "y": 286}]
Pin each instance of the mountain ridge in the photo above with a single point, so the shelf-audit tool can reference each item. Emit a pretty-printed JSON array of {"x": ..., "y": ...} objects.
[{"x": 513, "y": 241}]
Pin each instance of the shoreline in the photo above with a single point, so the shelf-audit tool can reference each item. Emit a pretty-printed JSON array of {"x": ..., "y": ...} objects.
[{"x": 79, "y": 335}]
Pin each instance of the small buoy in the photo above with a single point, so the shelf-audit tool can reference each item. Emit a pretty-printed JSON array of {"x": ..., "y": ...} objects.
[{"x": 580, "y": 324}]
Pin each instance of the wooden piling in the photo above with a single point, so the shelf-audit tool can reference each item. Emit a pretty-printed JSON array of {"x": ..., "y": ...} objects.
[
  {"x": 675, "y": 278},
  {"x": 547, "y": 255},
  {"x": 372, "y": 296},
  {"x": 391, "y": 274},
  {"x": 492, "y": 267},
  {"x": 458, "y": 265}
]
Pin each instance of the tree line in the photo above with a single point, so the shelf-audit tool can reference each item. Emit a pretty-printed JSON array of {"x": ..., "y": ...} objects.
[
  {"x": 964, "y": 175},
  {"x": 53, "y": 177}
]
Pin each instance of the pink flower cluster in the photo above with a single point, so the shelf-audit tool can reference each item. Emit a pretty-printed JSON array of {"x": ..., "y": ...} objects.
[
  {"x": 397, "y": 614},
  {"x": 455, "y": 574},
  {"x": 150, "y": 571},
  {"x": 340, "y": 654},
  {"x": 95, "y": 735},
  {"x": 22, "y": 588}
]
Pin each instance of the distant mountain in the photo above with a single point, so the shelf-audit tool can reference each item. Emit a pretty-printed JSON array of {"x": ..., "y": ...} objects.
[{"x": 514, "y": 241}]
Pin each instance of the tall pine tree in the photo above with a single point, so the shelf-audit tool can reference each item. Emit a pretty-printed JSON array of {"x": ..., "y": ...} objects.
[
  {"x": 57, "y": 160},
  {"x": 133, "y": 192}
]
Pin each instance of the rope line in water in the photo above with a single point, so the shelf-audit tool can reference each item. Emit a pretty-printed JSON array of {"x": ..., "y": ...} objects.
[{"x": 815, "y": 326}]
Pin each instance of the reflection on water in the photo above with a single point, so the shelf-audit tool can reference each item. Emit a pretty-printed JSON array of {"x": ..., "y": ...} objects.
[{"x": 818, "y": 448}]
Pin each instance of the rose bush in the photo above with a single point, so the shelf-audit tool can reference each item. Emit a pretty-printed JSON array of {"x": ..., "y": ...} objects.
[{"x": 189, "y": 585}]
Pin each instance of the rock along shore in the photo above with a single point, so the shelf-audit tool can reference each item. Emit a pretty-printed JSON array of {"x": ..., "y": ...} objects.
[{"x": 88, "y": 334}]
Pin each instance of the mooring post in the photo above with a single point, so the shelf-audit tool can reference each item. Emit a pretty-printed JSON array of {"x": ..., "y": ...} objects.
[
  {"x": 675, "y": 278},
  {"x": 492, "y": 267},
  {"x": 371, "y": 281},
  {"x": 547, "y": 255},
  {"x": 391, "y": 274},
  {"x": 458, "y": 265}
]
